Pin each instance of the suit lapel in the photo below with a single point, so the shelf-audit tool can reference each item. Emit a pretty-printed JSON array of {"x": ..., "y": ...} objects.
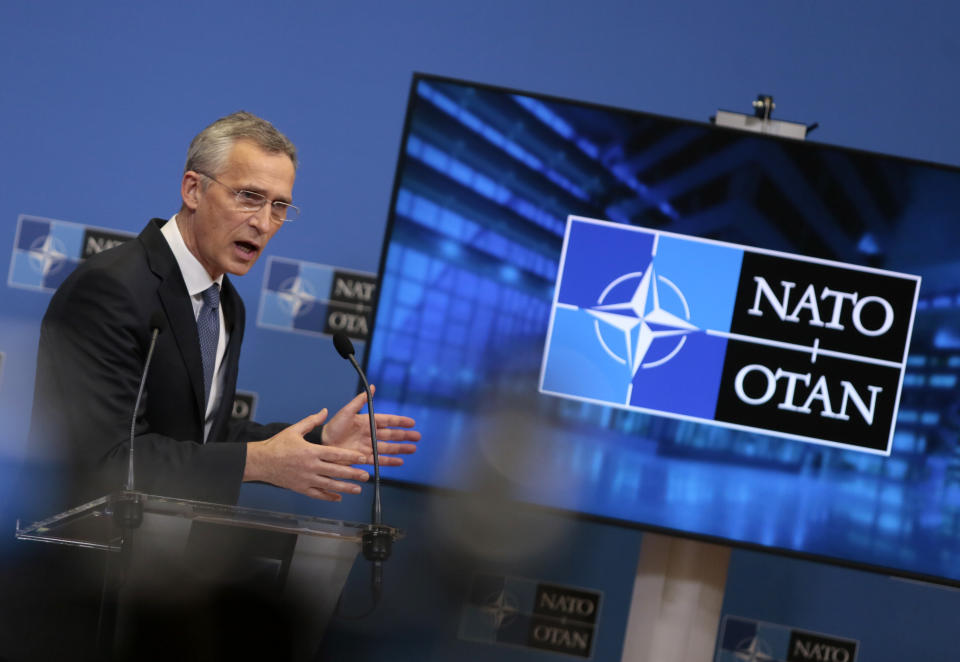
[
  {"x": 179, "y": 311},
  {"x": 177, "y": 307}
]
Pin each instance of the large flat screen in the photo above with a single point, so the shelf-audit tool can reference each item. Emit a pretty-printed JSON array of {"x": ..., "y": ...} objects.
[{"x": 557, "y": 277}]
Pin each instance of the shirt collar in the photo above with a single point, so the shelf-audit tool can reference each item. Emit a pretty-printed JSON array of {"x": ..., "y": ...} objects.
[{"x": 194, "y": 274}]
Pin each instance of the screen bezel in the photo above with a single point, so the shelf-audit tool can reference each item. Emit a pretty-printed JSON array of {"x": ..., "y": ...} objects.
[{"x": 590, "y": 516}]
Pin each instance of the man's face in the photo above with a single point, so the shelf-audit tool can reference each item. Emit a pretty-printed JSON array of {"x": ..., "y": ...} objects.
[{"x": 224, "y": 239}]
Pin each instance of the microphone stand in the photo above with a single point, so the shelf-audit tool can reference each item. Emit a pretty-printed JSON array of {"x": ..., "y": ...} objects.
[
  {"x": 128, "y": 511},
  {"x": 376, "y": 542}
]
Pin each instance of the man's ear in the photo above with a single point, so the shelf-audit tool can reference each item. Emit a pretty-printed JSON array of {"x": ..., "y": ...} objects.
[{"x": 190, "y": 189}]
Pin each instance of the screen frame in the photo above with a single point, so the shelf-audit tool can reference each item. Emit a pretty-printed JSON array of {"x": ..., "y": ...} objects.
[{"x": 422, "y": 488}]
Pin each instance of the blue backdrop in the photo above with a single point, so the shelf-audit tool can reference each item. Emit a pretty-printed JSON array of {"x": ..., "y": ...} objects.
[{"x": 99, "y": 100}]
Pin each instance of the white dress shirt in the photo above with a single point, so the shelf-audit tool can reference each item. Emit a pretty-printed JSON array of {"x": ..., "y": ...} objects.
[{"x": 197, "y": 280}]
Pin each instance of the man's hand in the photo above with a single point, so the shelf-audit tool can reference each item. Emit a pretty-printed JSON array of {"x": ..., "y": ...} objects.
[
  {"x": 350, "y": 430},
  {"x": 288, "y": 460}
]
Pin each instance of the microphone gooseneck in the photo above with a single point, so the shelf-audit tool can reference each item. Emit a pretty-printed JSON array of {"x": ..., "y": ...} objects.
[
  {"x": 157, "y": 325},
  {"x": 377, "y": 540},
  {"x": 345, "y": 348}
]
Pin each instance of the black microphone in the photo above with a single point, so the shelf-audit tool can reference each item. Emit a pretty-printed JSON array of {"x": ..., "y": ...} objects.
[
  {"x": 128, "y": 513},
  {"x": 345, "y": 348},
  {"x": 376, "y": 540}
]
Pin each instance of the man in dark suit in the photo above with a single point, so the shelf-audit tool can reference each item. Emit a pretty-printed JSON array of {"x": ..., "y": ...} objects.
[{"x": 236, "y": 191}]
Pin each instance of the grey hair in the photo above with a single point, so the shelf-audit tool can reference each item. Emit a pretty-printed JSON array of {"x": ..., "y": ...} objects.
[{"x": 209, "y": 149}]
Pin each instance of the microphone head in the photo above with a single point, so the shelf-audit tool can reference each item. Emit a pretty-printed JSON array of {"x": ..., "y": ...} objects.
[
  {"x": 158, "y": 321},
  {"x": 343, "y": 344}
]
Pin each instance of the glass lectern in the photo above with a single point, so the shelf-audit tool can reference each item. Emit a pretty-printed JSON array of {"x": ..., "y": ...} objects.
[{"x": 200, "y": 561}]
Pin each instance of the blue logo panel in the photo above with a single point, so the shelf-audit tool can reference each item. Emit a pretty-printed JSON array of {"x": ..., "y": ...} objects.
[
  {"x": 579, "y": 367},
  {"x": 728, "y": 335},
  {"x": 595, "y": 257},
  {"x": 670, "y": 388},
  {"x": 707, "y": 276},
  {"x": 315, "y": 299},
  {"x": 632, "y": 319},
  {"x": 31, "y": 231},
  {"x": 46, "y": 251}
]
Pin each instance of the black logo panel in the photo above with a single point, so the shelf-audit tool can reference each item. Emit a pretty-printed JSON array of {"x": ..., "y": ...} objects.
[
  {"x": 840, "y": 309},
  {"x": 844, "y": 401},
  {"x": 347, "y": 319},
  {"x": 562, "y": 602},
  {"x": 806, "y": 647},
  {"x": 570, "y": 638},
  {"x": 352, "y": 288},
  {"x": 96, "y": 241}
]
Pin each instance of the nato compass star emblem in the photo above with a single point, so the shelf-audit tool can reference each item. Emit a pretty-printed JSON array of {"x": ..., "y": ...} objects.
[
  {"x": 642, "y": 320},
  {"x": 502, "y": 608},
  {"x": 754, "y": 649},
  {"x": 47, "y": 255},
  {"x": 296, "y": 295}
]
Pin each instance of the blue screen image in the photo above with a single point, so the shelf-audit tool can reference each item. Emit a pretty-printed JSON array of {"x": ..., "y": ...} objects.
[{"x": 486, "y": 181}]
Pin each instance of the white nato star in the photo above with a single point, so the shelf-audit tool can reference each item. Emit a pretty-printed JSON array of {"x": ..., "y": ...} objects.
[
  {"x": 297, "y": 295},
  {"x": 642, "y": 320},
  {"x": 753, "y": 650},
  {"x": 502, "y": 609},
  {"x": 47, "y": 254}
]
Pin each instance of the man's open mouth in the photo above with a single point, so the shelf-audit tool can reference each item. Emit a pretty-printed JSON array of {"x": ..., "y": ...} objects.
[{"x": 246, "y": 247}]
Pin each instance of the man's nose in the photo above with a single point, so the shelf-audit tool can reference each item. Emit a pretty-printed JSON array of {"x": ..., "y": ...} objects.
[{"x": 261, "y": 219}]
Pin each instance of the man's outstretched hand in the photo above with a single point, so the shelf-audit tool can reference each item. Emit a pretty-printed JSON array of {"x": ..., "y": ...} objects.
[
  {"x": 322, "y": 471},
  {"x": 350, "y": 430}
]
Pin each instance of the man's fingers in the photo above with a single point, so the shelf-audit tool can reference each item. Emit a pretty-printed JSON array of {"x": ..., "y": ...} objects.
[
  {"x": 340, "y": 456},
  {"x": 390, "y": 461},
  {"x": 348, "y": 472},
  {"x": 323, "y": 495},
  {"x": 336, "y": 486},
  {"x": 395, "y": 449},
  {"x": 358, "y": 402},
  {"x": 397, "y": 434},
  {"x": 305, "y": 425},
  {"x": 394, "y": 421},
  {"x": 387, "y": 457}
]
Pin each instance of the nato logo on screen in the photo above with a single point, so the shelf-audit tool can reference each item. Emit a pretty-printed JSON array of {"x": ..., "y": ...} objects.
[
  {"x": 729, "y": 335},
  {"x": 306, "y": 297},
  {"x": 46, "y": 251}
]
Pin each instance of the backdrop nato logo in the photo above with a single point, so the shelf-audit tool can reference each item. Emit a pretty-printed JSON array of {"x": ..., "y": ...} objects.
[
  {"x": 316, "y": 299},
  {"x": 511, "y": 611},
  {"x": 747, "y": 640},
  {"x": 729, "y": 335},
  {"x": 45, "y": 251}
]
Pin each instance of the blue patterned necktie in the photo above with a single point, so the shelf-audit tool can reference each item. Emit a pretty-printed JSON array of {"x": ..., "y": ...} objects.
[{"x": 208, "y": 327}]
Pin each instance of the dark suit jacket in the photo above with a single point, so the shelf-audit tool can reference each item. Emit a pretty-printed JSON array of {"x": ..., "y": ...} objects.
[{"x": 93, "y": 344}]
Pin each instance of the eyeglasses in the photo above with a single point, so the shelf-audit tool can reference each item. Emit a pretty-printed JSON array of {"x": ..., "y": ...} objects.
[{"x": 253, "y": 201}]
